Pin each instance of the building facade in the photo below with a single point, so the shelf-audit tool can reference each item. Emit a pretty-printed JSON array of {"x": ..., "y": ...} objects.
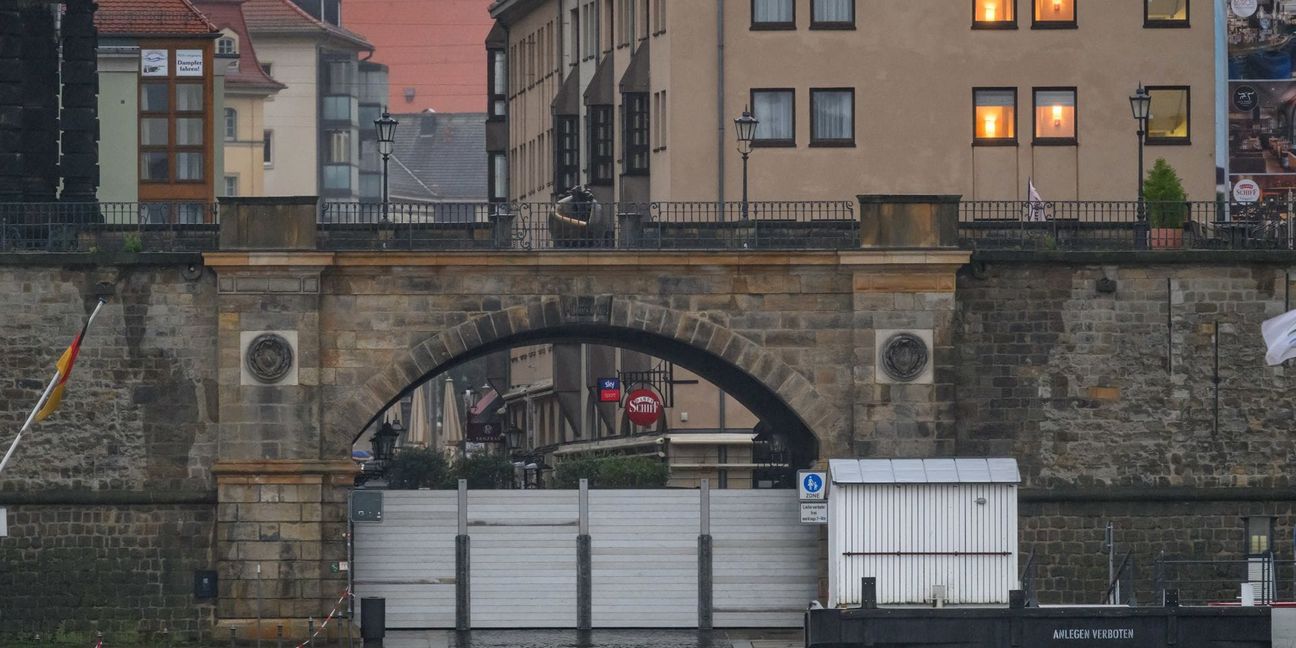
[
  {"x": 247, "y": 89},
  {"x": 433, "y": 50},
  {"x": 311, "y": 138},
  {"x": 158, "y": 98},
  {"x": 637, "y": 97}
]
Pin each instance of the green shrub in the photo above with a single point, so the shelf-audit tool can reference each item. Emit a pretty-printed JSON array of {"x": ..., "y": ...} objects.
[
  {"x": 414, "y": 468},
  {"x": 132, "y": 243},
  {"x": 612, "y": 472},
  {"x": 1166, "y": 199},
  {"x": 483, "y": 471}
]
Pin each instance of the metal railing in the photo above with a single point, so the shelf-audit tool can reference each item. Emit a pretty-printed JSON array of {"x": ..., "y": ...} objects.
[
  {"x": 1125, "y": 225},
  {"x": 590, "y": 226},
  {"x": 1217, "y": 581},
  {"x": 109, "y": 227}
]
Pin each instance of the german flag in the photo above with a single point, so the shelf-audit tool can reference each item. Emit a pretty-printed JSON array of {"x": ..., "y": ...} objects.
[{"x": 65, "y": 363}]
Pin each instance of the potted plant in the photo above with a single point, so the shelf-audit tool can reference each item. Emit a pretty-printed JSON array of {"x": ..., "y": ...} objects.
[{"x": 1166, "y": 206}]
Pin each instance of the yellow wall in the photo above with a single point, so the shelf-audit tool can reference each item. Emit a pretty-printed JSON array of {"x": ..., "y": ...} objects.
[
  {"x": 292, "y": 115},
  {"x": 243, "y": 155}
]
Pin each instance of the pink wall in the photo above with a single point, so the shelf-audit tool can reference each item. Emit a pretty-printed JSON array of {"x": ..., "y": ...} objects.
[{"x": 436, "y": 47}]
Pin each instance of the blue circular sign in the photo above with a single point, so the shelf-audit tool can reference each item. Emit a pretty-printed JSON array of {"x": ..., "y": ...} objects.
[{"x": 812, "y": 483}]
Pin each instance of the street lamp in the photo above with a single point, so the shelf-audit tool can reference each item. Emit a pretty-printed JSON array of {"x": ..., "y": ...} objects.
[
  {"x": 746, "y": 127},
  {"x": 470, "y": 399},
  {"x": 386, "y": 140},
  {"x": 1141, "y": 105},
  {"x": 384, "y": 442}
]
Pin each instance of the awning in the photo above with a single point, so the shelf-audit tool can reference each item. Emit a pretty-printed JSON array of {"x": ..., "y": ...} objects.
[
  {"x": 711, "y": 438},
  {"x": 609, "y": 444}
]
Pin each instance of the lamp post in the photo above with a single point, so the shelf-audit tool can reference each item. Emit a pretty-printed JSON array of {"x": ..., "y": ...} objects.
[
  {"x": 384, "y": 444},
  {"x": 745, "y": 125},
  {"x": 386, "y": 126},
  {"x": 1140, "y": 105},
  {"x": 470, "y": 399}
]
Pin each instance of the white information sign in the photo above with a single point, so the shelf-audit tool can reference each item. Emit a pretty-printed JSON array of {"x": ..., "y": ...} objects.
[
  {"x": 1244, "y": 8},
  {"x": 1246, "y": 191},
  {"x": 189, "y": 63},
  {"x": 4, "y": 522},
  {"x": 812, "y": 485},
  {"x": 814, "y": 512},
  {"x": 153, "y": 62}
]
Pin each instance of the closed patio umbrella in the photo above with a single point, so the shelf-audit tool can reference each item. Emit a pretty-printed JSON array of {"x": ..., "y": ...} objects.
[{"x": 450, "y": 428}]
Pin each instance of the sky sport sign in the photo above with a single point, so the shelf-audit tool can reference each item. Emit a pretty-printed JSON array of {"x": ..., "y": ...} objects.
[{"x": 643, "y": 407}]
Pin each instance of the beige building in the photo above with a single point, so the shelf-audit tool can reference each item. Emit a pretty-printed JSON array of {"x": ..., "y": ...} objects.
[
  {"x": 553, "y": 401},
  {"x": 637, "y": 97}
]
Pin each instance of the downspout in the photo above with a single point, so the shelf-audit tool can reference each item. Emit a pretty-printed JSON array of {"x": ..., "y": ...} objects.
[{"x": 720, "y": 102}]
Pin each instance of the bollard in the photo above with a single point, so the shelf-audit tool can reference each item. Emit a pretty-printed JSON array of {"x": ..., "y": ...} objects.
[
  {"x": 99, "y": 636},
  {"x": 279, "y": 636},
  {"x": 232, "y": 637},
  {"x": 166, "y": 637},
  {"x": 310, "y": 632}
]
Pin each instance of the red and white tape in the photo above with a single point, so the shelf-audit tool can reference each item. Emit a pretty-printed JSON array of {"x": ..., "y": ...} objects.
[{"x": 346, "y": 593}]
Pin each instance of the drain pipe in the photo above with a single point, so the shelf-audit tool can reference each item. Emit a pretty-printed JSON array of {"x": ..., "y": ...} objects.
[{"x": 720, "y": 103}]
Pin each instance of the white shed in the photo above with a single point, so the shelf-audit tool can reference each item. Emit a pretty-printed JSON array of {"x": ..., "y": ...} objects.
[{"x": 926, "y": 529}]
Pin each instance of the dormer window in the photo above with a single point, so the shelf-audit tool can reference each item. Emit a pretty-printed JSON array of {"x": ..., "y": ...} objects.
[{"x": 226, "y": 45}]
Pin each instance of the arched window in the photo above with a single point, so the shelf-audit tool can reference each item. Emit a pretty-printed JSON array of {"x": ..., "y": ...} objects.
[{"x": 231, "y": 124}]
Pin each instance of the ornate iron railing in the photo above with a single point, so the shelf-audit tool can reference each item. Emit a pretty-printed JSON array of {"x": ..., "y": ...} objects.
[{"x": 109, "y": 227}]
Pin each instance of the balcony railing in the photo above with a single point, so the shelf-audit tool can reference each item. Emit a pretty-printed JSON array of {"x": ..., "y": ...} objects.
[
  {"x": 109, "y": 227},
  {"x": 590, "y": 226},
  {"x": 1128, "y": 225}
]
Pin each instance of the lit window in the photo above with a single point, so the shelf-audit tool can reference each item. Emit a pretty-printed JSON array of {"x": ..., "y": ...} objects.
[
  {"x": 1165, "y": 13},
  {"x": 994, "y": 14},
  {"x": 832, "y": 117},
  {"x": 1169, "y": 117},
  {"x": 832, "y": 14},
  {"x": 995, "y": 115},
  {"x": 1259, "y": 534},
  {"x": 1055, "y": 116},
  {"x": 773, "y": 14},
  {"x": 775, "y": 114},
  {"x": 1050, "y": 14}
]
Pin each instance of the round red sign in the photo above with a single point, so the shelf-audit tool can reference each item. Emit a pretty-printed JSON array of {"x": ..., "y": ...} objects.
[{"x": 643, "y": 407}]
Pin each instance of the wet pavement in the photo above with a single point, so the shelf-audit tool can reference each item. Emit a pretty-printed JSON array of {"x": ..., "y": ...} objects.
[{"x": 648, "y": 638}]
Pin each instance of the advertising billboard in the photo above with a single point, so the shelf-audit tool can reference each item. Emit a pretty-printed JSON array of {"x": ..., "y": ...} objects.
[{"x": 1261, "y": 100}]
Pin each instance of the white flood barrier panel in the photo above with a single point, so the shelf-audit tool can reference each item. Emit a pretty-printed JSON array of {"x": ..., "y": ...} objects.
[
  {"x": 925, "y": 529},
  {"x": 523, "y": 558},
  {"x": 409, "y": 558},
  {"x": 766, "y": 562},
  {"x": 643, "y": 554}
]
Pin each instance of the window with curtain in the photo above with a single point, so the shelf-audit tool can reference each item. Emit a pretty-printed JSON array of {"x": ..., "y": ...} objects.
[
  {"x": 231, "y": 124},
  {"x": 498, "y": 82},
  {"x": 832, "y": 117},
  {"x": 1055, "y": 116},
  {"x": 1054, "y": 14},
  {"x": 994, "y": 116},
  {"x": 832, "y": 14},
  {"x": 773, "y": 14},
  {"x": 775, "y": 113},
  {"x": 1169, "y": 117},
  {"x": 600, "y": 144},
  {"x": 1165, "y": 13},
  {"x": 498, "y": 177},
  {"x": 994, "y": 14}
]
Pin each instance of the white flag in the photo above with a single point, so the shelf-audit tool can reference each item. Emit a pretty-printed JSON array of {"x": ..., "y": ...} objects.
[
  {"x": 1280, "y": 336},
  {"x": 1035, "y": 205}
]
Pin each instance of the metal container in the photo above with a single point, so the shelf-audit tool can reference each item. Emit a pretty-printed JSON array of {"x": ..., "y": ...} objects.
[{"x": 930, "y": 531}]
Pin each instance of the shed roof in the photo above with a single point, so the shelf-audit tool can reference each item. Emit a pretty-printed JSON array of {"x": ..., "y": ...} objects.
[{"x": 960, "y": 470}]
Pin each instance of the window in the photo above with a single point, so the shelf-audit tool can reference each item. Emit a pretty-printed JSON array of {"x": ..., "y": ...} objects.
[
  {"x": 566, "y": 152},
  {"x": 171, "y": 132},
  {"x": 606, "y": 30},
  {"x": 267, "y": 148},
  {"x": 832, "y": 14},
  {"x": 600, "y": 145},
  {"x": 337, "y": 176},
  {"x": 832, "y": 117},
  {"x": 659, "y": 121},
  {"x": 337, "y": 108},
  {"x": 231, "y": 185},
  {"x": 339, "y": 147},
  {"x": 574, "y": 43},
  {"x": 226, "y": 46},
  {"x": 498, "y": 177},
  {"x": 1170, "y": 115},
  {"x": 773, "y": 14},
  {"x": 266, "y": 67},
  {"x": 1055, "y": 116},
  {"x": 1165, "y": 13},
  {"x": 1053, "y": 14},
  {"x": 498, "y": 81},
  {"x": 1259, "y": 538},
  {"x": 994, "y": 14},
  {"x": 643, "y": 19},
  {"x": 659, "y": 17},
  {"x": 189, "y": 165},
  {"x": 775, "y": 112},
  {"x": 994, "y": 116},
  {"x": 231, "y": 124},
  {"x": 635, "y": 134}
]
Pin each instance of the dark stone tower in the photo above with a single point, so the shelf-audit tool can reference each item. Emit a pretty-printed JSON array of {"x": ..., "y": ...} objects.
[{"x": 80, "y": 119}]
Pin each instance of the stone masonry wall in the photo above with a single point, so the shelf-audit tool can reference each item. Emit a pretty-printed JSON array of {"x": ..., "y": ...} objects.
[{"x": 111, "y": 502}]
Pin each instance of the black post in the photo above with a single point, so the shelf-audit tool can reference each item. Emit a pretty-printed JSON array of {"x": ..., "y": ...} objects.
[
  {"x": 744, "y": 198},
  {"x": 1141, "y": 230},
  {"x": 385, "y": 158}
]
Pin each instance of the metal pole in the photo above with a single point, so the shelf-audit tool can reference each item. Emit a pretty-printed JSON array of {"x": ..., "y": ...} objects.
[
  {"x": 258, "y": 606},
  {"x": 1141, "y": 132},
  {"x": 385, "y": 194},
  {"x": 1110, "y": 545},
  {"x": 744, "y": 197}
]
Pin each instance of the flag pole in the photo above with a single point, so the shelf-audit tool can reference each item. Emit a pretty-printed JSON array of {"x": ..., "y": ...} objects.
[{"x": 44, "y": 397}]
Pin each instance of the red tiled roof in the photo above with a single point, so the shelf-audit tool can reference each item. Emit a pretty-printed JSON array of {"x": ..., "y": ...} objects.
[
  {"x": 228, "y": 14},
  {"x": 284, "y": 17},
  {"x": 152, "y": 17}
]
